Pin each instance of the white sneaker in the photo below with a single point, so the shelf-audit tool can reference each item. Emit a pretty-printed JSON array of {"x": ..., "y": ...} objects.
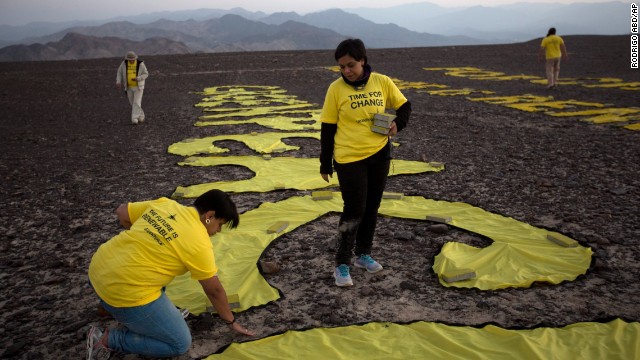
[
  {"x": 134, "y": 121},
  {"x": 95, "y": 349},
  {"x": 366, "y": 262},
  {"x": 341, "y": 274},
  {"x": 141, "y": 119}
]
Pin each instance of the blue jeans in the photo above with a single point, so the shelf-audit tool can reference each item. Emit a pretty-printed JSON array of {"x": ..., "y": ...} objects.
[
  {"x": 361, "y": 184},
  {"x": 155, "y": 329}
]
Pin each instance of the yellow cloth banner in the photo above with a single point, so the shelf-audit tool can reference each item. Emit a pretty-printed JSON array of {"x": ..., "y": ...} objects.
[
  {"x": 615, "y": 340},
  {"x": 520, "y": 254},
  {"x": 259, "y": 111},
  {"x": 285, "y": 123},
  {"x": 280, "y": 172},
  {"x": 264, "y": 143}
]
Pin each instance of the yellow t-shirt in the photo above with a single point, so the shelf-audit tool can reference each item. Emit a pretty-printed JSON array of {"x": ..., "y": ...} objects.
[
  {"x": 166, "y": 239},
  {"x": 551, "y": 45},
  {"x": 353, "y": 109},
  {"x": 131, "y": 74}
]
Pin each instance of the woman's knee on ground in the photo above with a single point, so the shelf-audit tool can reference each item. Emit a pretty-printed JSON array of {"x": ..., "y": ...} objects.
[{"x": 181, "y": 343}]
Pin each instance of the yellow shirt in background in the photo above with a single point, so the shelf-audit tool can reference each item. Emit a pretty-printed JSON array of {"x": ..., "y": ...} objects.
[
  {"x": 551, "y": 45},
  {"x": 166, "y": 239},
  {"x": 132, "y": 74},
  {"x": 353, "y": 109}
]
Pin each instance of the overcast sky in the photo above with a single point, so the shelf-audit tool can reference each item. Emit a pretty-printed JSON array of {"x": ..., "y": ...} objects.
[{"x": 20, "y": 12}]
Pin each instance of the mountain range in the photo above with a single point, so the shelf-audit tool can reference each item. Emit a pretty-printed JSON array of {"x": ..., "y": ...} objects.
[
  {"x": 507, "y": 23},
  {"x": 214, "y": 30}
]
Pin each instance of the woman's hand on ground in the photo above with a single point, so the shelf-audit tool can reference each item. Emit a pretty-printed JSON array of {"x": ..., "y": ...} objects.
[{"x": 241, "y": 329}]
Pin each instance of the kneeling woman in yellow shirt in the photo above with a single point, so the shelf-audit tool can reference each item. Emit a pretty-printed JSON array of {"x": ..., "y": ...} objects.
[{"x": 162, "y": 239}]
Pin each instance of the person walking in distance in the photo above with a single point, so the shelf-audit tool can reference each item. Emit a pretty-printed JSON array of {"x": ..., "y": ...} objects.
[
  {"x": 131, "y": 77},
  {"x": 552, "y": 49},
  {"x": 360, "y": 156}
]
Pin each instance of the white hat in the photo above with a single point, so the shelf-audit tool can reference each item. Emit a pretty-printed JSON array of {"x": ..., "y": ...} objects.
[{"x": 131, "y": 56}]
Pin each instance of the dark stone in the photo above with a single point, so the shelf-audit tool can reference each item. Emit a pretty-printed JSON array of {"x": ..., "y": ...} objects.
[
  {"x": 439, "y": 228},
  {"x": 404, "y": 235},
  {"x": 408, "y": 285}
]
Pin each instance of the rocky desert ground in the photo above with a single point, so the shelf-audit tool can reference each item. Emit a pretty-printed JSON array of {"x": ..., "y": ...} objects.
[{"x": 69, "y": 156}]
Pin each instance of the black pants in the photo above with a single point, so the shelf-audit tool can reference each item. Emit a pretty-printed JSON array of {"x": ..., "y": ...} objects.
[{"x": 361, "y": 184}]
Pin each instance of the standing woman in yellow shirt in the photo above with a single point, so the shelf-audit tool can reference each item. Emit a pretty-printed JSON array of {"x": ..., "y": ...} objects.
[
  {"x": 360, "y": 156},
  {"x": 552, "y": 49}
]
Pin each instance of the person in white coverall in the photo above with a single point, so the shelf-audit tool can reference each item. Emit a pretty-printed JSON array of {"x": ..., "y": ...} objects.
[{"x": 131, "y": 77}]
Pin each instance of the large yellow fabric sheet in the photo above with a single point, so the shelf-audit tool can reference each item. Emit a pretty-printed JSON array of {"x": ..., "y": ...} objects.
[
  {"x": 482, "y": 74},
  {"x": 532, "y": 103},
  {"x": 615, "y": 340},
  {"x": 261, "y": 111},
  {"x": 285, "y": 123},
  {"x": 606, "y": 115},
  {"x": 519, "y": 255},
  {"x": 264, "y": 143},
  {"x": 280, "y": 172}
]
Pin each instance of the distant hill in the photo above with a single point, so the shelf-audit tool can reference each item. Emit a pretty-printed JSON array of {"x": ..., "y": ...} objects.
[
  {"x": 76, "y": 46},
  {"x": 410, "y": 16},
  {"x": 411, "y": 25},
  {"x": 517, "y": 22},
  {"x": 374, "y": 35},
  {"x": 22, "y": 34},
  {"x": 227, "y": 33},
  {"x": 206, "y": 35},
  {"x": 196, "y": 14}
]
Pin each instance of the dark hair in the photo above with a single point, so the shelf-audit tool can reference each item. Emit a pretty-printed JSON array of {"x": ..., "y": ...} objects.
[
  {"x": 552, "y": 31},
  {"x": 354, "y": 48},
  {"x": 220, "y": 202}
]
